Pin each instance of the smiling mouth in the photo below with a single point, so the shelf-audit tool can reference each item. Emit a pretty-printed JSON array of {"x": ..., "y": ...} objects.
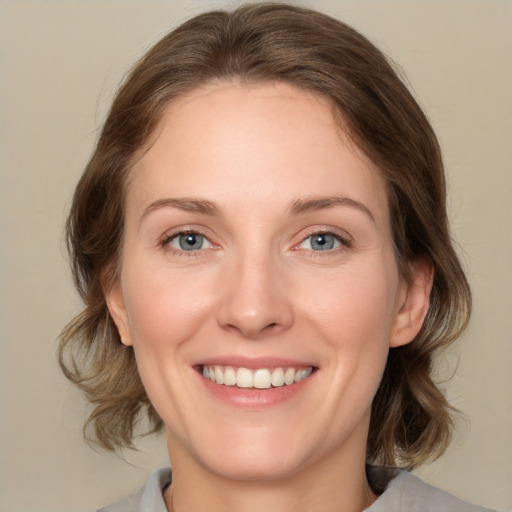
[{"x": 261, "y": 378}]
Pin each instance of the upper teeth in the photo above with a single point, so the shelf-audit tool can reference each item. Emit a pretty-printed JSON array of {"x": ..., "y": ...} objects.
[{"x": 262, "y": 378}]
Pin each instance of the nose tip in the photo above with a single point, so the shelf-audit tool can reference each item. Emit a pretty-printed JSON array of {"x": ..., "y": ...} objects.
[
  {"x": 254, "y": 305},
  {"x": 255, "y": 324},
  {"x": 252, "y": 324}
]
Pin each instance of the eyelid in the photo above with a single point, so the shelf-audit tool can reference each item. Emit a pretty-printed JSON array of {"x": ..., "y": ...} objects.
[
  {"x": 177, "y": 238},
  {"x": 343, "y": 237},
  {"x": 174, "y": 233}
]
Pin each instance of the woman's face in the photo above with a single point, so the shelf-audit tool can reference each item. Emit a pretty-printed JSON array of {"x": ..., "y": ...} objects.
[{"x": 258, "y": 251}]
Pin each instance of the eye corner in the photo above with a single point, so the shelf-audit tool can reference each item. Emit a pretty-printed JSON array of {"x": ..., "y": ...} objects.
[
  {"x": 186, "y": 242},
  {"x": 324, "y": 240}
]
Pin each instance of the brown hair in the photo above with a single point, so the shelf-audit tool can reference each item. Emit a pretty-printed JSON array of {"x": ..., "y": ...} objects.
[{"x": 410, "y": 420}]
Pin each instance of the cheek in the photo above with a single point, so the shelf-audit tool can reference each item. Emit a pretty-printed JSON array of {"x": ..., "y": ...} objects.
[
  {"x": 353, "y": 314},
  {"x": 352, "y": 304},
  {"x": 164, "y": 307}
]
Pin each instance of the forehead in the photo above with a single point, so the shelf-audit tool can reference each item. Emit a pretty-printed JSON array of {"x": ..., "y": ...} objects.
[{"x": 253, "y": 140}]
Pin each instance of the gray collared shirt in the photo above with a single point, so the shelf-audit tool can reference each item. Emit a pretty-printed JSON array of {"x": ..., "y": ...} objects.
[{"x": 403, "y": 492}]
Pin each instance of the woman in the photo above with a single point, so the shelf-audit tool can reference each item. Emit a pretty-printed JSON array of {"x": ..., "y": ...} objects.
[{"x": 261, "y": 242}]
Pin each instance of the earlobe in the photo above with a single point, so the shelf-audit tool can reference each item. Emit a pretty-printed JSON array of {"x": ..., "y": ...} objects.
[
  {"x": 115, "y": 303},
  {"x": 413, "y": 304}
]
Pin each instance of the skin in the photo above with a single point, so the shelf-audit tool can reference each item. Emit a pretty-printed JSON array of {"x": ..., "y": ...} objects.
[{"x": 257, "y": 287}]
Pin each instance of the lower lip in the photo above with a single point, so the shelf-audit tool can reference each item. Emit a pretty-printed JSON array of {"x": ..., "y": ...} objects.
[{"x": 255, "y": 398}]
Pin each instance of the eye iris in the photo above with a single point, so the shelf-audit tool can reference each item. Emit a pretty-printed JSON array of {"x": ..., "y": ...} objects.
[
  {"x": 322, "y": 242},
  {"x": 190, "y": 241}
]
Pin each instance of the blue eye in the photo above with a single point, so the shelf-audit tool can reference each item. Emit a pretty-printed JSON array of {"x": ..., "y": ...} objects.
[
  {"x": 321, "y": 242},
  {"x": 189, "y": 242}
]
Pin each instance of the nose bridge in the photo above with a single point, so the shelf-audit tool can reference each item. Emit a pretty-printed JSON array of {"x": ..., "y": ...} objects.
[{"x": 253, "y": 298}]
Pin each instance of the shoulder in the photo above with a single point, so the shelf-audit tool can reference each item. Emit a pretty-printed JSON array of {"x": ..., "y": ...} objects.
[
  {"x": 403, "y": 492},
  {"x": 148, "y": 498},
  {"x": 406, "y": 492}
]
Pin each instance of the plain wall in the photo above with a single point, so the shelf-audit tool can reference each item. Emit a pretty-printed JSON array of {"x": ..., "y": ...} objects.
[{"x": 60, "y": 63}]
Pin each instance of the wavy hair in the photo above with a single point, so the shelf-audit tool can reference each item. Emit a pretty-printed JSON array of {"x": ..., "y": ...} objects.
[{"x": 411, "y": 421}]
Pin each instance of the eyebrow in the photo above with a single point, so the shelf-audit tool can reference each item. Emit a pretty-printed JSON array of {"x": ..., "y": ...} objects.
[
  {"x": 296, "y": 207},
  {"x": 319, "y": 203},
  {"x": 188, "y": 204}
]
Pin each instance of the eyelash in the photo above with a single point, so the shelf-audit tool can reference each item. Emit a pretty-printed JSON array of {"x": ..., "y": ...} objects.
[
  {"x": 345, "y": 242},
  {"x": 168, "y": 238}
]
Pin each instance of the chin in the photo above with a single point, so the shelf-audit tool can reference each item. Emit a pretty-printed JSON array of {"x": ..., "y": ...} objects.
[
  {"x": 256, "y": 467},
  {"x": 245, "y": 454}
]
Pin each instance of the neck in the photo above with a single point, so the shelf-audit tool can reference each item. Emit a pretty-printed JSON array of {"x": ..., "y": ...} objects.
[{"x": 324, "y": 486}]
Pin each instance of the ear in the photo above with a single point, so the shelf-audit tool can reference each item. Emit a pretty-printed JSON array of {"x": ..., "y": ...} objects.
[
  {"x": 116, "y": 306},
  {"x": 413, "y": 303}
]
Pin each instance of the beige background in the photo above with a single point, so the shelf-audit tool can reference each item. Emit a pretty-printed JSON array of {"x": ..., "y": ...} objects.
[{"x": 60, "y": 64}]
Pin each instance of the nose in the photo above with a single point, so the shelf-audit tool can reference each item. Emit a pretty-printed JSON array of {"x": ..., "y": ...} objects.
[{"x": 254, "y": 299}]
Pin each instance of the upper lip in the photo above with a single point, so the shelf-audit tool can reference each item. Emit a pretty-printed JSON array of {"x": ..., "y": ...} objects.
[{"x": 253, "y": 363}]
